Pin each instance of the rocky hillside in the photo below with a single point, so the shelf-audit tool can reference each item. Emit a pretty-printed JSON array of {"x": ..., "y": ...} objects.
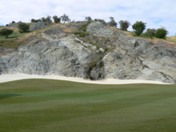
[{"x": 92, "y": 51}]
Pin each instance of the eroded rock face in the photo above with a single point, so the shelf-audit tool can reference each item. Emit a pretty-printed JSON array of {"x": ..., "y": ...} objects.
[
  {"x": 65, "y": 57},
  {"x": 140, "y": 59},
  {"x": 65, "y": 54}
]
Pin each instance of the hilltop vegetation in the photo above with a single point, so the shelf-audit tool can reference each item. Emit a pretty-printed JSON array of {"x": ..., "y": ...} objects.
[{"x": 19, "y": 30}]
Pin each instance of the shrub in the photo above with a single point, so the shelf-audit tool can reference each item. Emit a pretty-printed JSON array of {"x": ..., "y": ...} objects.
[
  {"x": 150, "y": 32},
  {"x": 13, "y": 22},
  {"x": 100, "y": 20},
  {"x": 139, "y": 27},
  {"x": 46, "y": 20},
  {"x": 88, "y": 19},
  {"x": 124, "y": 25},
  {"x": 23, "y": 27},
  {"x": 6, "y": 32},
  {"x": 56, "y": 19},
  {"x": 81, "y": 34},
  {"x": 35, "y": 20},
  {"x": 112, "y": 22},
  {"x": 161, "y": 33}
]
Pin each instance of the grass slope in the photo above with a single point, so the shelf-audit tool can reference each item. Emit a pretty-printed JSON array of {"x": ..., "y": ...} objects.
[
  {"x": 61, "y": 106},
  {"x": 14, "y": 40}
]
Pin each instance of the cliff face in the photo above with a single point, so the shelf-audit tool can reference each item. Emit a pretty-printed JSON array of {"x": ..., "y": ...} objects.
[{"x": 101, "y": 52}]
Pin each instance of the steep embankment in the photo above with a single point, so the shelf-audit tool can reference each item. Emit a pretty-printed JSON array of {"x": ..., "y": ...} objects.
[{"x": 92, "y": 51}]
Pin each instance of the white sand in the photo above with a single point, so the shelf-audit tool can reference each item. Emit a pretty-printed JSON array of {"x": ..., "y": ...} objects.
[{"x": 19, "y": 76}]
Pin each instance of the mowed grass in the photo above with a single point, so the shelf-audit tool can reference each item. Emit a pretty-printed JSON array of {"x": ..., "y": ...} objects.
[{"x": 61, "y": 106}]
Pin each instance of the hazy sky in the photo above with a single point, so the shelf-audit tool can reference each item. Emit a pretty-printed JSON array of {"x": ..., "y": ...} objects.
[{"x": 155, "y": 13}]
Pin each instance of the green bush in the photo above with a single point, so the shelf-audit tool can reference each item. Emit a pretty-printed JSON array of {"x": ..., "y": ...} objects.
[
  {"x": 112, "y": 22},
  {"x": 56, "y": 19},
  {"x": 88, "y": 19},
  {"x": 161, "y": 33},
  {"x": 47, "y": 20},
  {"x": 81, "y": 34},
  {"x": 124, "y": 25},
  {"x": 6, "y": 32},
  {"x": 150, "y": 32},
  {"x": 139, "y": 27},
  {"x": 23, "y": 27}
]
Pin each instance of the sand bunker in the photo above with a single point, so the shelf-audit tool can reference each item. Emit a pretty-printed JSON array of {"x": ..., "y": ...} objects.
[{"x": 19, "y": 76}]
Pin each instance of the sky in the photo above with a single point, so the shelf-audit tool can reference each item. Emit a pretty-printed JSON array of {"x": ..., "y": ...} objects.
[{"x": 155, "y": 13}]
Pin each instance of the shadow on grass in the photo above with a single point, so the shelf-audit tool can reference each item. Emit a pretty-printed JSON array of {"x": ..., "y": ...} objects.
[{"x": 4, "y": 96}]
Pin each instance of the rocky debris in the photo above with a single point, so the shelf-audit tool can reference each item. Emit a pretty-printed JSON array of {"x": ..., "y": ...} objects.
[{"x": 57, "y": 52}]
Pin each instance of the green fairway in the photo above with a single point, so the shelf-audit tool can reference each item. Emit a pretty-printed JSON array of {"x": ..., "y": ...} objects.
[{"x": 61, "y": 106}]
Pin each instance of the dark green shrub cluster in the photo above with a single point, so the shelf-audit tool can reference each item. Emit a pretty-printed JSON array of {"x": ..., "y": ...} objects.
[
  {"x": 124, "y": 25},
  {"x": 139, "y": 27},
  {"x": 35, "y": 20},
  {"x": 5, "y": 32},
  {"x": 88, "y": 19},
  {"x": 81, "y": 34},
  {"x": 23, "y": 27},
  {"x": 161, "y": 33},
  {"x": 56, "y": 19},
  {"x": 47, "y": 20},
  {"x": 158, "y": 33}
]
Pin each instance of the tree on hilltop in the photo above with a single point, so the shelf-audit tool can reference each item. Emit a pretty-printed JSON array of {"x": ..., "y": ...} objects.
[
  {"x": 161, "y": 33},
  {"x": 124, "y": 25},
  {"x": 47, "y": 20},
  {"x": 56, "y": 19},
  {"x": 139, "y": 27},
  {"x": 150, "y": 32},
  {"x": 65, "y": 18},
  {"x": 88, "y": 18},
  {"x": 112, "y": 22}
]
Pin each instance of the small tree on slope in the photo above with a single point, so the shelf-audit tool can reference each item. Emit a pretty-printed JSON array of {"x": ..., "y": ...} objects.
[{"x": 139, "y": 27}]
